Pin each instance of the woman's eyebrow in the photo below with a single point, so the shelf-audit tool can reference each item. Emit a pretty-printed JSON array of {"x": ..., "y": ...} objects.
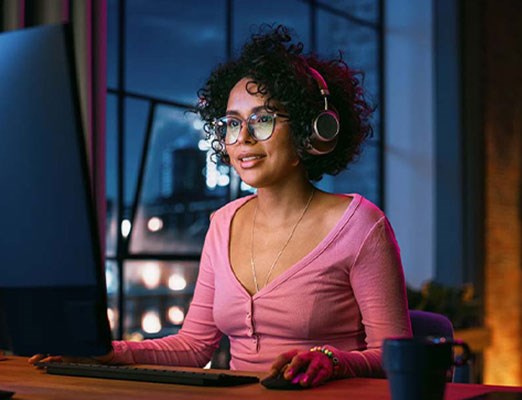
[{"x": 252, "y": 110}]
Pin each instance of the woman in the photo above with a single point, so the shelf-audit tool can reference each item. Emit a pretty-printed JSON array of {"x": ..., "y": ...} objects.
[{"x": 302, "y": 281}]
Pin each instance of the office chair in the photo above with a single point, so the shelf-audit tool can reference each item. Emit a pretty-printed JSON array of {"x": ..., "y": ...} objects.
[{"x": 426, "y": 323}]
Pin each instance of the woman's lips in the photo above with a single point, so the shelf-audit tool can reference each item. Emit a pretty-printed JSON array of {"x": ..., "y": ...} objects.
[{"x": 250, "y": 160}]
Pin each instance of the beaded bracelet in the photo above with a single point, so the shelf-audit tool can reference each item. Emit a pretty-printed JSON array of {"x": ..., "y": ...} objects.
[{"x": 329, "y": 353}]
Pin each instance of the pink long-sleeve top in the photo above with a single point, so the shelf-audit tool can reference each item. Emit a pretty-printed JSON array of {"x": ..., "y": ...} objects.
[{"x": 348, "y": 293}]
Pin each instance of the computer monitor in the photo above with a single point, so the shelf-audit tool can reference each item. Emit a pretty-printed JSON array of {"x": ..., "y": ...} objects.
[{"x": 52, "y": 281}]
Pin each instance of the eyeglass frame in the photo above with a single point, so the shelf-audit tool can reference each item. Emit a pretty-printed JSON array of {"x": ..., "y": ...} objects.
[{"x": 250, "y": 130}]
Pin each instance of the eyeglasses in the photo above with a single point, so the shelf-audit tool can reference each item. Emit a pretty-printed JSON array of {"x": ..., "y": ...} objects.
[{"x": 260, "y": 126}]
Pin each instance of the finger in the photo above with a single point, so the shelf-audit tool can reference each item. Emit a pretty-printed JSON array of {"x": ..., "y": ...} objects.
[
  {"x": 35, "y": 358},
  {"x": 51, "y": 359},
  {"x": 299, "y": 363},
  {"x": 320, "y": 365},
  {"x": 276, "y": 370},
  {"x": 43, "y": 358},
  {"x": 321, "y": 377},
  {"x": 309, "y": 372},
  {"x": 281, "y": 362}
]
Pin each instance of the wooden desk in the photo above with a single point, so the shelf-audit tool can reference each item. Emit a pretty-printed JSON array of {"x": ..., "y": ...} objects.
[{"x": 29, "y": 383}]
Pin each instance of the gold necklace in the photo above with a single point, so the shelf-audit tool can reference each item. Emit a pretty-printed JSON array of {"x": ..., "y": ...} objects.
[{"x": 252, "y": 261}]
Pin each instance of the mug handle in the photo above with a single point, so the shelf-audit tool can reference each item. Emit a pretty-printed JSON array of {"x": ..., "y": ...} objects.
[{"x": 466, "y": 352}]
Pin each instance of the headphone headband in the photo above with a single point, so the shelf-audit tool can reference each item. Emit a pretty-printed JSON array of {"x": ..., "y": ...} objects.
[{"x": 323, "y": 87}]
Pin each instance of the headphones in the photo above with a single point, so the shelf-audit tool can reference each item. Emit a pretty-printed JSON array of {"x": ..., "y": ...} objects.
[{"x": 325, "y": 126}]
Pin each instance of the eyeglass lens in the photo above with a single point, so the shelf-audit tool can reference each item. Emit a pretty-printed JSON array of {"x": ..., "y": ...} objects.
[{"x": 260, "y": 127}]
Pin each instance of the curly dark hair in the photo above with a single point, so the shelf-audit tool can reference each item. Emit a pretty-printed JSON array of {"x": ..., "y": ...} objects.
[{"x": 279, "y": 70}]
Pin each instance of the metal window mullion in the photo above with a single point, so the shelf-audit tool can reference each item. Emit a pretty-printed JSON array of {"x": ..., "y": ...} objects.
[
  {"x": 313, "y": 25},
  {"x": 346, "y": 15},
  {"x": 162, "y": 256},
  {"x": 121, "y": 163},
  {"x": 141, "y": 172},
  {"x": 148, "y": 98},
  {"x": 235, "y": 182},
  {"x": 382, "y": 126}
]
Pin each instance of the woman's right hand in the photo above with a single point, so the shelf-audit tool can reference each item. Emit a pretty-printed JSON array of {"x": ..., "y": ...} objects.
[{"x": 81, "y": 360}]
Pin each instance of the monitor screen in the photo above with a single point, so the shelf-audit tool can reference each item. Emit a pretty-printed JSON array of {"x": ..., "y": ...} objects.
[{"x": 52, "y": 286}]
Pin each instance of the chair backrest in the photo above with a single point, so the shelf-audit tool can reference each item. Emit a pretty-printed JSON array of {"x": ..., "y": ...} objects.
[{"x": 426, "y": 323}]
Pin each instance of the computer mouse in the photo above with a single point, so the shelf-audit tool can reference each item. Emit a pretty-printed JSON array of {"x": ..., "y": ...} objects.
[{"x": 279, "y": 382}]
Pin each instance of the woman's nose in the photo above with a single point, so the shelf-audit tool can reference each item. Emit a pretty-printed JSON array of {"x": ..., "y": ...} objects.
[{"x": 244, "y": 134}]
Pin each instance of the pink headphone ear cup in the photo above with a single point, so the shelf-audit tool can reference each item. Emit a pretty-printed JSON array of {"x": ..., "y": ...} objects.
[{"x": 326, "y": 126}]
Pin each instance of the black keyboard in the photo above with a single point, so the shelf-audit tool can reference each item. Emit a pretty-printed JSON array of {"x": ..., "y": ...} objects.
[{"x": 158, "y": 375}]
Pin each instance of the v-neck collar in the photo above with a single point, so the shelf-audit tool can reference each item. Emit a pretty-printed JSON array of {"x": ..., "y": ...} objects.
[{"x": 303, "y": 262}]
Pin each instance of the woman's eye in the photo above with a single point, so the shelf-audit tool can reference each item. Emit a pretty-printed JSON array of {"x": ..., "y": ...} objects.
[
  {"x": 233, "y": 123},
  {"x": 263, "y": 119}
]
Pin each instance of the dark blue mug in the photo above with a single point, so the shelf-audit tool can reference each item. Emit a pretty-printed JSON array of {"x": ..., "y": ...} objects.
[{"x": 417, "y": 368}]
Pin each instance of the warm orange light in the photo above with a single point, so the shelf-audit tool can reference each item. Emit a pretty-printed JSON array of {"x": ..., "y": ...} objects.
[
  {"x": 155, "y": 224},
  {"x": 176, "y": 315},
  {"x": 150, "y": 322},
  {"x": 151, "y": 275},
  {"x": 177, "y": 282}
]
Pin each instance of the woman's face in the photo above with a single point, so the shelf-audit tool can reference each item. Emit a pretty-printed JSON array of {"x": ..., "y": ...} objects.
[{"x": 260, "y": 163}]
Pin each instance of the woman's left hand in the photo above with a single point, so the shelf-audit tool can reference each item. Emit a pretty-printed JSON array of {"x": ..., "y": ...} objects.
[
  {"x": 314, "y": 367},
  {"x": 42, "y": 358}
]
